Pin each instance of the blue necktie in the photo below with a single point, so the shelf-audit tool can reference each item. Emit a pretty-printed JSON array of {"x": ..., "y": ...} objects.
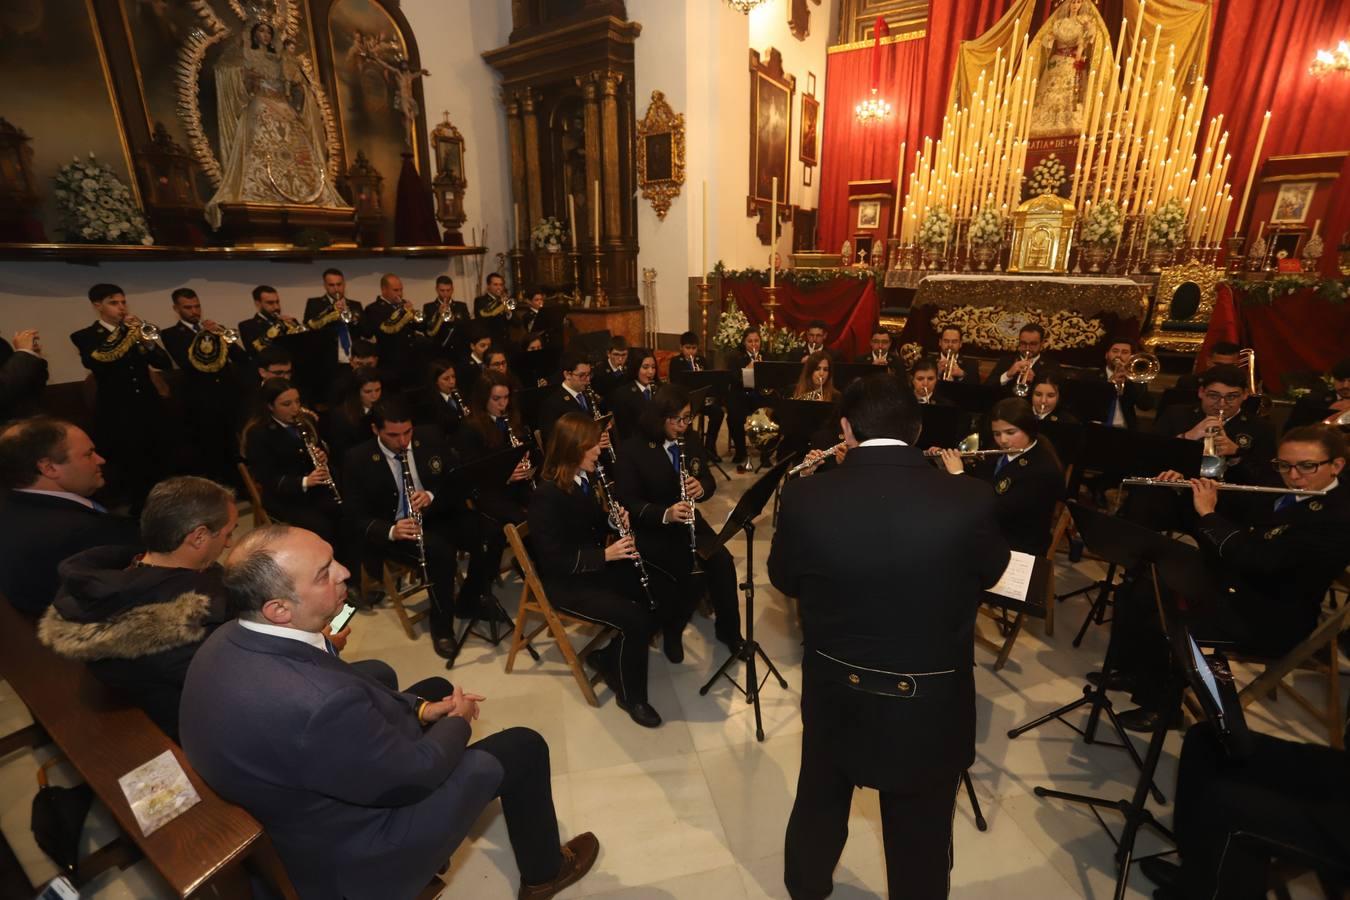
[
  {"x": 674, "y": 451},
  {"x": 585, "y": 485},
  {"x": 647, "y": 393},
  {"x": 404, "y": 510},
  {"x": 1002, "y": 461},
  {"x": 1285, "y": 502},
  {"x": 581, "y": 399},
  {"x": 328, "y": 645},
  {"x": 503, "y": 426}
]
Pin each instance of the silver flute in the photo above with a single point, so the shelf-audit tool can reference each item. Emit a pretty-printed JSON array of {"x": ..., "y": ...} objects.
[
  {"x": 1245, "y": 488},
  {"x": 812, "y": 463}
]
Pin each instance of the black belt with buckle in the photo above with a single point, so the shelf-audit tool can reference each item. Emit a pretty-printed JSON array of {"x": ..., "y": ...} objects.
[{"x": 905, "y": 685}]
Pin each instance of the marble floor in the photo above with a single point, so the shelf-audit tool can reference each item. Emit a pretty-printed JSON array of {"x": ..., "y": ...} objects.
[{"x": 697, "y": 808}]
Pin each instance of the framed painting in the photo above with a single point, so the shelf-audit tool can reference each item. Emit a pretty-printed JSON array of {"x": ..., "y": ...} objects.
[
  {"x": 1292, "y": 202},
  {"x": 869, "y": 215},
  {"x": 660, "y": 154},
  {"x": 771, "y": 91},
  {"x": 810, "y": 118}
]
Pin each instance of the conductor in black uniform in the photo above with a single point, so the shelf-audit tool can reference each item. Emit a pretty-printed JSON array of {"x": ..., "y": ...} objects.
[
  {"x": 888, "y": 558},
  {"x": 128, "y": 413}
]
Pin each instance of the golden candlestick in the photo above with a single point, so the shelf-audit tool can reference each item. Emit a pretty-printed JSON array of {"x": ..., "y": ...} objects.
[
  {"x": 771, "y": 304},
  {"x": 576, "y": 276},
  {"x": 601, "y": 301},
  {"x": 704, "y": 301}
]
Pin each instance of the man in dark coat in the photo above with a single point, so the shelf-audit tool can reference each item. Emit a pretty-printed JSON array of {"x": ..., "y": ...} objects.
[
  {"x": 392, "y": 321},
  {"x": 364, "y": 790},
  {"x": 1029, "y": 361},
  {"x": 490, "y": 310},
  {"x": 23, "y": 374},
  {"x": 570, "y": 396},
  {"x": 50, "y": 471},
  {"x": 888, "y": 558},
  {"x": 446, "y": 321},
  {"x": 1245, "y": 440},
  {"x": 690, "y": 360},
  {"x": 1128, "y": 397},
  {"x": 338, "y": 321}
]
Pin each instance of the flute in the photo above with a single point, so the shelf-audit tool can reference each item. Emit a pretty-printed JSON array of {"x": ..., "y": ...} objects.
[
  {"x": 812, "y": 463},
  {"x": 1246, "y": 488}
]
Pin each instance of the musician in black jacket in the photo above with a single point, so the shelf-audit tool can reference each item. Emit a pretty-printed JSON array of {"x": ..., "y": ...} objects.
[
  {"x": 573, "y": 394},
  {"x": 649, "y": 489},
  {"x": 347, "y": 423},
  {"x": 23, "y": 374},
  {"x": 268, "y": 322},
  {"x": 584, "y": 577},
  {"x": 128, "y": 413},
  {"x": 1129, "y": 397},
  {"x": 888, "y": 558},
  {"x": 614, "y": 370},
  {"x": 1028, "y": 479},
  {"x": 923, "y": 379},
  {"x": 960, "y": 368},
  {"x": 1045, "y": 401},
  {"x": 881, "y": 352},
  {"x": 210, "y": 386},
  {"x": 392, "y": 321},
  {"x": 1030, "y": 361},
  {"x": 628, "y": 398},
  {"x": 690, "y": 360},
  {"x": 50, "y": 472},
  {"x": 1244, "y": 439},
  {"x": 294, "y": 488},
  {"x": 379, "y": 510},
  {"x": 491, "y": 311},
  {"x": 741, "y": 401},
  {"x": 446, "y": 320},
  {"x": 440, "y": 402},
  {"x": 1320, "y": 403}
]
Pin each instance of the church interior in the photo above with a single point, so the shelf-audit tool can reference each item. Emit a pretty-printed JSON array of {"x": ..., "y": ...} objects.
[{"x": 383, "y": 272}]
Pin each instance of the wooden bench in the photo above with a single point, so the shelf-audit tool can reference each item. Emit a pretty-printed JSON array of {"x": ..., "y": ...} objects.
[{"x": 104, "y": 739}]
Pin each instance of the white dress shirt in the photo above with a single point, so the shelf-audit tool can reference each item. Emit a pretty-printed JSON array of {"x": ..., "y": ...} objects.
[{"x": 313, "y": 638}]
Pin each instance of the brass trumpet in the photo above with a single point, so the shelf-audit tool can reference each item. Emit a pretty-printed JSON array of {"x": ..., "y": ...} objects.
[
  {"x": 1022, "y": 387},
  {"x": 948, "y": 363}
]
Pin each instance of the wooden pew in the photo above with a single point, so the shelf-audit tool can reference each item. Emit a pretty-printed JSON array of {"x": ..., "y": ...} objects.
[{"x": 104, "y": 739}]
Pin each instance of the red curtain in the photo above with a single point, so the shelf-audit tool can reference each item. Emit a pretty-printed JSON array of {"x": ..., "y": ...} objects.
[
  {"x": 950, "y": 23},
  {"x": 1297, "y": 333},
  {"x": 849, "y": 307},
  {"x": 1258, "y": 60}
]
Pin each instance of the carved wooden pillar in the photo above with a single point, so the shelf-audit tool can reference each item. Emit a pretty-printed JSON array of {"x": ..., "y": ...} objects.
[
  {"x": 516, "y": 138},
  {"x": 535, "y": 204},
  {"x": 609, "y": 119},
  {"x": 590, "y": 94}
]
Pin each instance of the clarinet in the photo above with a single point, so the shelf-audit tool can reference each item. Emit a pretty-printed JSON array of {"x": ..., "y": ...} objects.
[
  {"x": 594, "y": 402},
  {"x": 517, "y": 442},
  {"x": 682, "y": 474},
  {"x": 416, "y": 516},
  {"x": 309, "y": 436},
  {"x": 605, "y": 491}
]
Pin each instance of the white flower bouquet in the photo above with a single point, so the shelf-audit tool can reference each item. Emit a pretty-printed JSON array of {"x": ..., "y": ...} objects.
[
  {"x": 730, "y": 326},
  {"x": 1167, "y": 226},
  {"x": 549, "y": 235},
  {"x": 1103, "y": 225},
  {"x": 96, "y": 207},
  {"x": 986, "y": 229},
  {"x": 936, "y": 228},
  {"x": 1047, "y": 177},
  {"x": 779, "y": 342}
]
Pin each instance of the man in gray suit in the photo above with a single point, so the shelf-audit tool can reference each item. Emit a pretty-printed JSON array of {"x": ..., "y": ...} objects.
[{"x": 365, "y": 791}]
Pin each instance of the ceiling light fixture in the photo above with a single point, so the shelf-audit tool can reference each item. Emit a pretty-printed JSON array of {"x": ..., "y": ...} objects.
[
  {"x": 744, "y": 6},
  {"x": 1328, "y": 61}
]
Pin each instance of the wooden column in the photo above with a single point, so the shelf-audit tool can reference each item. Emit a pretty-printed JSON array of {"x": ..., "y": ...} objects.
[
  {"x": 609, "y": 119},
  {"x": 590, "y": 93},
  {"x": 516, "y": 139},
  {"x": 535, "y": 205}
]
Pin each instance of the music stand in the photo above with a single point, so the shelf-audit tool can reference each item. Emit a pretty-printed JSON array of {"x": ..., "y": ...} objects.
[
  {"x": 532, "y": 365},
  {"x": 594, "y": 344},
  {"x": 490, "y": 470},
  {"x": 941, "y": 426},
  {"x": 1173, "y": 575},
  {"x": 1131, "y": 547},
  {"x": 973, "y": 397},
  {"x": 717, "y": 384},
  {"x": 742, "y": 518},
  {"x": 777, "y": 375},
  {"x": 528, "y": 401},
  {"x": 1087, "y": 398}
]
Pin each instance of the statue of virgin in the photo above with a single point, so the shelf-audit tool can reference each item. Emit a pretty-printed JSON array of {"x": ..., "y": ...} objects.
[
  {"x": 1067, "y": 41},
  {"x": 272, "y": 144}
]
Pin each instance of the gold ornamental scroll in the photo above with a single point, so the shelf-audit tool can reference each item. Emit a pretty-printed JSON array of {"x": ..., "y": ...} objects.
[{"x": 1087, "y": 296}]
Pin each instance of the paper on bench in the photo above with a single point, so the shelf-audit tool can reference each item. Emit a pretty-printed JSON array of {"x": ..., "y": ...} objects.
[
  {"x": 1016, "y": 579},
  {"x": 158, "y": 791}
]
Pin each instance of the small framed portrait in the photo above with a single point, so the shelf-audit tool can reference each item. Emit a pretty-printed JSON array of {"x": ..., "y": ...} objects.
[
  {"x": 869, "y": 215},
  {"x": 1292, "y": 202},
  {"x": 810, "y": 118}
]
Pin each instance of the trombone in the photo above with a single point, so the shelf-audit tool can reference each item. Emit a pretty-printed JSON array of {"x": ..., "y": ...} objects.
[{"x": 1140, "y": 368}]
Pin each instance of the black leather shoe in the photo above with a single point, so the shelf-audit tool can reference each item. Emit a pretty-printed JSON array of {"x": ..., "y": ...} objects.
[
  {"x": 673, "y": 644},
  {"x": 739, "y": 458},
  {"x": 1162, "y": 872},
  {"x": 1116, "y": 681},
  {"x": 1138, "y": 719},
  {"x": 444, "y": 647},
  {"x": 641, "y": 713},
  {"x": 712, "y": 456}
]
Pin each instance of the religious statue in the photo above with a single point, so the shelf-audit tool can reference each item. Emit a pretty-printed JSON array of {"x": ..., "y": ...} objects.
[
  {"x": 402, "y": 77},
  {"x": 272, "y": 138},
  {"x": 1067, "y": 41}
]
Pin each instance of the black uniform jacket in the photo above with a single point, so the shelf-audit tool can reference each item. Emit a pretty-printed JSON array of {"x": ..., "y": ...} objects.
[
  {"x": 208, "y": 370},
  {"x": 257, "y": 333},
  {"x": 865, "y": 359},
  {"x": 627, "y": 400},
  {"x": 888, "y": 558},
  {"x": 370, "y": 493},
  {"x": 647, "y": 487},
  {"x": 681, "y": 364},
  {"x": 1045, "y": 365},
  {"x": 567, "y": 532},
  {"x": 558, "y": 402},
  {"x": 1253, "y": 435},
  {"x": 1025, "y": 494},
  {"x": 322, "y": 316},
  {"x": 494, "y": 315},
  {"x": 397, "y": 335},
  {"x": 41, "y": 530},
  {"x": 22, "y": 377},
  {"x": 1281, "y": 563},
  {"x": 136, "y": 627},
  {"x": 123, "y": 378},
  {"x": 433, "y": 409},
  {"x": 604, "y": 379},
  {"x": 447, "y": 338},
  {"x": 278, "y": 461},
  {"x": 1134, "y": 398}
]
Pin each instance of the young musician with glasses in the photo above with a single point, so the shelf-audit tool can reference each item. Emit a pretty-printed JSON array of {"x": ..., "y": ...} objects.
[
  {"x": 1244, "y": 439},
  {"x": 584, "y": 574},
  {"x": 1027, "y": 364}
]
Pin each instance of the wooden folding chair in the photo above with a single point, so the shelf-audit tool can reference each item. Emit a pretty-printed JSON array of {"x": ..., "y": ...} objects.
[
  {"x": 260, "y": 516},
  {"x": 533, "y": 601},
  {"x": 390, "y": 573}
]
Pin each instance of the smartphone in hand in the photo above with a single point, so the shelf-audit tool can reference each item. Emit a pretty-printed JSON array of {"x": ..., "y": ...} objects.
[{"x": 342, "y": 619}]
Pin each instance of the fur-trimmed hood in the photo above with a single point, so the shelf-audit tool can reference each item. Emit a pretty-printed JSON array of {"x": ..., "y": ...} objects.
[{"x": 110, "y": 608}]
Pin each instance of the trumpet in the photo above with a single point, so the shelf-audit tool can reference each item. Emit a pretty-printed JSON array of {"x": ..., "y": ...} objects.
[
  {"x": 1022, "y": 388},
  {"x": 1212, "y": 465},
  {"x": 948, "y": 363},
  {"x": 347, "y": 315},
  {"x": 1244, "y": 488},
  {"x": 148, "y": 332},
  {"x": 228, "y": 335},
  {"x": 812, "y": 463},
  {"x": 604, "y": 491},
  {"x": 307, "y": 424}
]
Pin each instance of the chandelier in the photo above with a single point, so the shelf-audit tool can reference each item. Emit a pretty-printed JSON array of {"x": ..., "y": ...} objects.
[
  {"x": 744, "y": 6},
  {"x": 1328, "y": 61},
  {"x": 873, "y": 109}
]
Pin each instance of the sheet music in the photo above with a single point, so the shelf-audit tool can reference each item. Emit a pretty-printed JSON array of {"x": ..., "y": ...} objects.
[
  {"x": 158, "y": 791},
  {"x": 1206, "y": 673},
  {"x": 1016, "y": 579},
  {"x": 748, "y": 377}
]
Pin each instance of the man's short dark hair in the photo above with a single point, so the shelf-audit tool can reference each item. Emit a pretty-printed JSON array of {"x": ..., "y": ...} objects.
[
  {"x": 444, "y": 279},
  {"x": 272, "y": 356},
  {"x": 332, "y": 271},
  {"x": 1341, "y": 370},
  {"x": 492, "y": 275},
  {"x": 391, "y": 409},
  {"x": 1225, "y": 348},
  {"x": 178, "y": 506},
  {"x": 1035, "y": 327},
  {"x": 262, "y": 289},
  {"x": 1229, "y": 375},
  {"x": 816, "y": 323},
  {"x": 947, "y": 328},
  {"x": 880, "y": 329},
  {"x": 618, "y": 343},
  {"x": 252, "y": 576},
  {"x": 572, "y": 358},
  {"x": 688, "y": 337},
  {"x": 180, "y": 293},
  {"x": 102, "y": 291},
  {"x": 878, "y": 406},
  {"x": 25, "y": 443},
  {"x": 365, "y": 349}
]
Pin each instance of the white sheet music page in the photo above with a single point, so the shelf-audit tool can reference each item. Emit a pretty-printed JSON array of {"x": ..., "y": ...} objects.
[{"x": 1016, "y": 579}]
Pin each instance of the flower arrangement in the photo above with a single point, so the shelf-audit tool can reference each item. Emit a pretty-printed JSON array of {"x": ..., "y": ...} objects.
[
  {"x": 936, "y": 228},
  {"x": 986, "y": 229},
  {"x": 96, "y": 207},
  {"x": 1048, "y": 176},
  {"x": 1167, "y": 226},
  {"x": 549, "y": 234},
  {"x": 779, "y": 342},
  {"x": 730, "y": 326},
  {"x": 1104, "y": 224}
]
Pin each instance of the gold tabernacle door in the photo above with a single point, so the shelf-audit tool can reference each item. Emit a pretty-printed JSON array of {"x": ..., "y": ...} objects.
[{"x": 1042, "y": 234}]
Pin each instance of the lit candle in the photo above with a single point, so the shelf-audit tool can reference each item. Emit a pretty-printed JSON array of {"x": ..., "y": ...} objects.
[
  {"x": 705, "y": 233},
  {"x": 572, "y": 219},
  {"x": 1316, "y": 226},
  {"x": 515, "y": 235},
  {"x": 1251, "y": 174},
  {"x": 899, "y": 180},
  {"x": 595, "y": 214},
  {"x": 773, "y": 230}
]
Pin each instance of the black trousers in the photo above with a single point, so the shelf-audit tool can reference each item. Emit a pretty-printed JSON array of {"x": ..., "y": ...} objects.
[
  {"x": 678, "y": 595},
  {"x": 526, "y": 791},
  {"x": 916, "y": 828},
  {"x": 442, "y": 564},
  {"x": 612, "y": 598},
  {"x": 1290, "y": 793},
  {"x": 715, "y": 414}
]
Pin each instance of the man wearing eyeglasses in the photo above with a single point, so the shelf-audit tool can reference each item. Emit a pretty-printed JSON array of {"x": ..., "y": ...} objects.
[
  {"x": 1026, "y": 365},
  {"x": 1272, "y": 555},
  {"x": 1246, "y": 440}
]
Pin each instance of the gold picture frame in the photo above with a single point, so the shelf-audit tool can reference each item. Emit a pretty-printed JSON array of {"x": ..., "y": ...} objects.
[
  {"x": 1292, "y": 202},
  {"x": 660, "y": 154},
  {"x": 771, "y": 94}
]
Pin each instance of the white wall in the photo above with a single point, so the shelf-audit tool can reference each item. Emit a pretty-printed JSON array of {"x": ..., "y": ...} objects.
[{"x": 451, "y": 34}]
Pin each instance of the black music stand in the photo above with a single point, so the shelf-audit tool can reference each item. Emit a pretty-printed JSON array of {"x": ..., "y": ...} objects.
[
  {"x": 742, "y": 518},
  {"x": 1173, "y": 576},
  {"x": 1087, "y": 398},
  {"x": 490, "y": 470},
  {"x": 777, "y": 375},
  {"x": 533, "y": 365},
  {"x": 716, "y": 383},
  {"x": 1130, "y": 547},
  {"x": 942, "y": 426},
  {"x": 528, "y": 401},
  {"x": 845, "y": 373},
  {"x": 973, "y": 397}
]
